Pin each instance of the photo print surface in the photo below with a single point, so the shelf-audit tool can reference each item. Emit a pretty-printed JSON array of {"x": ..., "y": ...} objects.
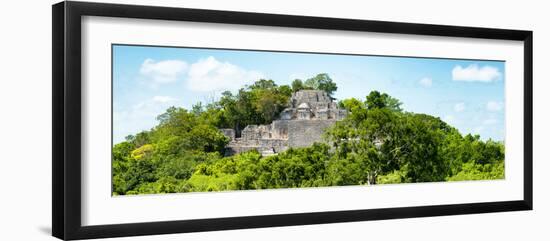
[{"x": 206, "y": 120}]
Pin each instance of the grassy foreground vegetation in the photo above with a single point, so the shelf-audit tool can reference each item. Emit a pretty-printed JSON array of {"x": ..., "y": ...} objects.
[{"x": 377, "y": 143}]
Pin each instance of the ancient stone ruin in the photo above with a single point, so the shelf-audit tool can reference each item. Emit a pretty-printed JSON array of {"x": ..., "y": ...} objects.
[{"x": 309, "y": 113}]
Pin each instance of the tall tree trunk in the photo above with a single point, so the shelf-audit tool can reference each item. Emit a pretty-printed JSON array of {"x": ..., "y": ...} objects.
[{"x": 371, "y": 178}]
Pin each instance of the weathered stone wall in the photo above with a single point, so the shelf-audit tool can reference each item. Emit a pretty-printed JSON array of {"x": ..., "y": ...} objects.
[
  {"x": 303, "y": 133},
  {"x": 273, "y": 145},
  {"x": 309, "y": 96},
  {"x": 300, "y": 125},
  {"x": 235, "y": 148},
  {"x": 229, "y": 133},
  {"x": 279, "y": 129}
]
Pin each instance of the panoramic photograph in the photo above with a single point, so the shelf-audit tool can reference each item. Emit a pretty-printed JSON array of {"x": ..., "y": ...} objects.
[{"x": 206, "y": 120}]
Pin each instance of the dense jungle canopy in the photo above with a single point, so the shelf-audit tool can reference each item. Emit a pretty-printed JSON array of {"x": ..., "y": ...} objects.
[{"x": 377, "y": 143}]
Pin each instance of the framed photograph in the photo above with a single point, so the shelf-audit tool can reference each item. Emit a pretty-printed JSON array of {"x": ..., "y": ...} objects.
[{"x": 170, "y": 120}]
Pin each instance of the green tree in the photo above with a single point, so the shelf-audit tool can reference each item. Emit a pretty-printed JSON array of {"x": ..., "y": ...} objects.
[
  {"x": 120, "y": 164},
  {"x": 197, "y": 109},
  {"x": 380, "y": 138},
  {"x": 322, "y": 82},
  {"x": 382, "y": 100},
  {"x": 259, "y": 103},
  {"x": 298, "y": 85},
  {"x": 205, "y": 138},
  {"x": 474, "y": 171}
]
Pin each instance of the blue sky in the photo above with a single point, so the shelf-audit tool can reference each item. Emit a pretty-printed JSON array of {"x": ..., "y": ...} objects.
[{"x": 468, "y": 94}]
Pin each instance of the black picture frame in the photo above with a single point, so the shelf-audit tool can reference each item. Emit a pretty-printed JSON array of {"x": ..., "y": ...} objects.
[{"x": 66, "y": 128}]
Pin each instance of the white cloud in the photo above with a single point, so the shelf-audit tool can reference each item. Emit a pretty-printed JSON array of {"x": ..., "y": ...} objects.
[
  {"x": 490, "y": 121},
  {"x": 305, "y": 76},
  {"x": 210, "y": 75},
  {"x": 140, "y": 116},
  {"x": 154, "y": 104},
  {"x": 301, "y": 76},
  {"x": 479, "y": 129},
  {"x": 165, "y": 71},
  {"x": 495, "y": 106},
  {"x": 474, "y": 73},
  {"x": 459, "y": 107},
  {"x": 164, "y": 99},
  {"x": 426, "y": 82},
  {"x": 449, "y": 119}
]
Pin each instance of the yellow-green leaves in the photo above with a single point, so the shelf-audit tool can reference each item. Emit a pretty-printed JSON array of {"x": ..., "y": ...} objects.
[{"x": 142, "y": 151}]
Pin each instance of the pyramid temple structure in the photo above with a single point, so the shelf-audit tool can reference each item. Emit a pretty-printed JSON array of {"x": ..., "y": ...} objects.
[{"x": 309, "y": 113}]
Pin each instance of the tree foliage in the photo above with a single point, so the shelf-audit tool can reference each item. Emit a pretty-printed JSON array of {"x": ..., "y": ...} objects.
[
  {"x": 319, "y": 82},
  {"x": 259, "y": 103},
  {"x": 406, "y": 147}
]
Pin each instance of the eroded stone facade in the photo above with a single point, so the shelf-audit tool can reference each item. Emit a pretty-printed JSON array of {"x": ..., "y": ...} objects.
[{"x": 309, "y": 113}]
